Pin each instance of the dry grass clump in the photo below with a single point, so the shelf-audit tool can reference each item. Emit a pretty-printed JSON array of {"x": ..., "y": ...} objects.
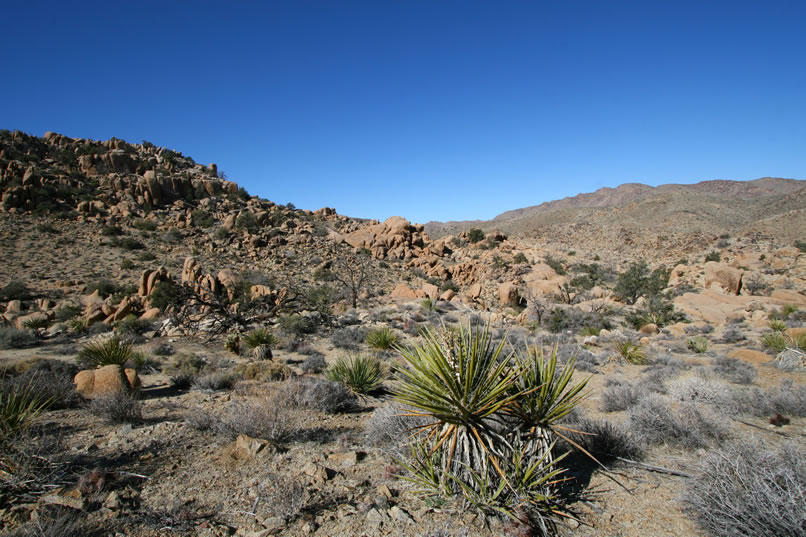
[
  {"x": 786, "y": 399},
  {"x": 621, "y": 395},
  {"x": 656, "y": 422},
  {"x": 118, "y": 408},
  {"x": 317, "y": 394},
  {"x": 390, "y": 427},
  {"x": 605, "y": 440},
  {"x": 748, "y": 489},
  {"x": 733, "y": 370},
  {"x": 269, "y": 417},
  {"x": 631, "y": 352},
  {"x": 215, "y": 381}
]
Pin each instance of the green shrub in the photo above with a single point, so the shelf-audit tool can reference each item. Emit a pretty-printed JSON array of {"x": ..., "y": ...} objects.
[
  {"x": 775, "y": 341},
  {"x": 475, "y": 235},
  {"x": 520, "y": 258},
  {"x": 111, "y": 351},
  {"x": 127, "y": 264},
  {"x": 296, "y": 324},
  {"x": 127, "y": 243},
  {"x": 382, "y": 338},
  {"x": 201, "y": 218},
  {"x": 713, "y": 256},
  {"x": 361, "y": 374},
  {"x": 111, "y": 231},
  {"x": 132, "y": 326},
  {"x": 698, "y": 344},
  {"x": 801, "y": 245},
  {"x": 638, "y": 281},
  {"x": 246, "y": 221},
  {"x": 555, "y": 264},
  {"x": 221, "y": 234},
  {"x": 11, "y": 338},
  {"x": 15, "y": 291},
  {"x": 145, "y": 225},
  {"x": 462, "y": 385},
  {"x": 777, "y": 325}
]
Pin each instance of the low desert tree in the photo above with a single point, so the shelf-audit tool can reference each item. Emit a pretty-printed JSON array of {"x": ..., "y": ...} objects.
[{"x": 352, "y": 271}]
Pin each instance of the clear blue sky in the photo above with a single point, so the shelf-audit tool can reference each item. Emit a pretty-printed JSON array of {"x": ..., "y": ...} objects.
[{"x": 428, "y": 109}]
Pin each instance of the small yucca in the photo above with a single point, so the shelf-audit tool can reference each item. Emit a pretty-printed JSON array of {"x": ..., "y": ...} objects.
[
  {"x": 382, "y": 338},
  {"x": 361, "y": 374},
  {"x": 19, "y": 404},
  {"x": 631, "y": 352},
  {"x": 111, "y": 351},
  {"x": 259, "y": 336}
]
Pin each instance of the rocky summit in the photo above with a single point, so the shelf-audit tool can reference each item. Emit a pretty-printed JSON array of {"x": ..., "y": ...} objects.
[{"x": 183, "y": 358}]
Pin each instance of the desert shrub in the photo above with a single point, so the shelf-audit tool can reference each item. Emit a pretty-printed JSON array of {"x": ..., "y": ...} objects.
[
  {"x": 104, "y": 287},
  {"x": 315, "y": 363},
  {"x": 112, "y": 351},
  {"x": 246, "y": 221},
  {"x": 127, "y": 243},
  {"x": 145, "y": 225},
  {"x": 268, "y": 417},
  {"x": 382, "y": 338},
  {"x": 296, "y": 324},
  {"x": 361, "y": 374},
  {"x": 733, "y": 334},
  {"x": 475, "y": 235},
  {"x": 656, "y": 422},
  {"x": 189, "y": 364},
  {"x": 697, "y": 389},
  {"x": 11, "y": 338},
  {"x": 713, "y": 256},
  {"x": 775, "y": 341},
  {"x": 111, "y": 231},
  {"x": 53, "y": 521},
  {"x": 466, "y": 390},
  {"x": 555, "y": 264},
  {"x": 620, "y": 395},
  {"x": 215, "y": 381},
  {"x": 786, "y": 399},
  {"x": 173, "y": 235},
  {"x": 201, "y": 218},
  {"x": 658, "y": 310},
  {"x": 570, "y": 319},
  {"x": 349, "y": 338},
  {"x": 777, "y": 325},
  {"x": 64, "y": 314},
  {"x": 392, "y": 426},
  {"x": 284, "y": 496},
  {"x": 52, "y": 381},
  {"x": 750, "y": 489},
  {"x": 584, "y": 359},
  {"x": 264, "y": 371},
  {"x": 317, "y": 394},
  {"x": 161, "y": 349},
  {"x": 182, "y": 380},
  {"x": 520, "y": 258},
  {"x": 131, "y": 326},
  {"x": 755, "y": 285},
  {"x": 733, "y": 370},
  {"x": 117, "y": 408},
  {"x": 698, "y": 344},
  {"x": 638, "y": 281},
  {"x": 801, "y": 245},
  {"x": 604, "y": 440},
  {"x": 631, "y": 352},
  {"x": 15, "y": 290}
]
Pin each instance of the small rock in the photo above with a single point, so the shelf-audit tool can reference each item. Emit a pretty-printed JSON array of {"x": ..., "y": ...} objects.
[
  {"x": 113, "y": 501},
  {"x": 401, "y": 515}
]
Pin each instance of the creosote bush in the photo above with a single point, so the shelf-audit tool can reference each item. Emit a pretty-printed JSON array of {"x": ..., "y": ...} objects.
[
  {"x": 751, "y": 489},
  {"x": 621, "y": 395},
  {"x": 492, "y": 422},
  {"x": 655, "y": 421}
]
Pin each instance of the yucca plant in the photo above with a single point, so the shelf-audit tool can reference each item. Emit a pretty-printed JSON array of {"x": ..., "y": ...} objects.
[
  {"x": 382, "y": 338},
  {"x": 20, "y": 403},
  {"x": 776, "y": 341},
  {"x": 492, "y": 418},
  {"x": 631, "y": 352},
  {"x": 260, "y": 340},
  {"x": 360, "y": 374},
  {"x": 110, "y": 351},
  {"x": 777, "y": 325}
]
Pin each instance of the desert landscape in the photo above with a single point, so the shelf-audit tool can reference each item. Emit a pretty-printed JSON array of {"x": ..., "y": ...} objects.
[{"x": 180, "y": 357}]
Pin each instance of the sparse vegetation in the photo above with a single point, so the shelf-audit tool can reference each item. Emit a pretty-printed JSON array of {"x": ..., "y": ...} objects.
[
  {"x": 631, "y": 352},
  {"x": 382, "y": 338},
  {"x": 749, "y": 488},
  {"x": 698, "y": 344},
  {"x": 117, "y": 408}
]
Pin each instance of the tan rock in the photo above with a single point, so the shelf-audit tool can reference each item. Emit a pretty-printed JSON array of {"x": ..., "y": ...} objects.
[
  {"x": 21, "y": 321},
  {"x": 475, "y": 291},
  {"x": 447, "y": 295},
  {"x": 151, "y": 313},
  {"x": 508, "y": 294},
  {"x": 402, "y": 290},
  {"x": 431, "y": 290},
  {"x": 649, "y": 329},
  {"x": 124, "y": 308},
  {"x": 726, "y": 277},
  {"x": 106, "y": 380}
]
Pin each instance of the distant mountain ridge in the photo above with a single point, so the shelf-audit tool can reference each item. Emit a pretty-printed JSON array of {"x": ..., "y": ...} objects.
[{"x": 737, "y": 201}]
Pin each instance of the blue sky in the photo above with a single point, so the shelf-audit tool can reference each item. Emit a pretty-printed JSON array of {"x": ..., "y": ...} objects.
[{"x": 429, "y": 109}]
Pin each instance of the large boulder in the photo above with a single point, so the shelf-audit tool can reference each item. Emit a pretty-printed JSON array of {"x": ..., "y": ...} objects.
[
  {"x": 724, "y": 277},
  {"x": 508, "y": 294},
  {"x": 106, "y": 380}
]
